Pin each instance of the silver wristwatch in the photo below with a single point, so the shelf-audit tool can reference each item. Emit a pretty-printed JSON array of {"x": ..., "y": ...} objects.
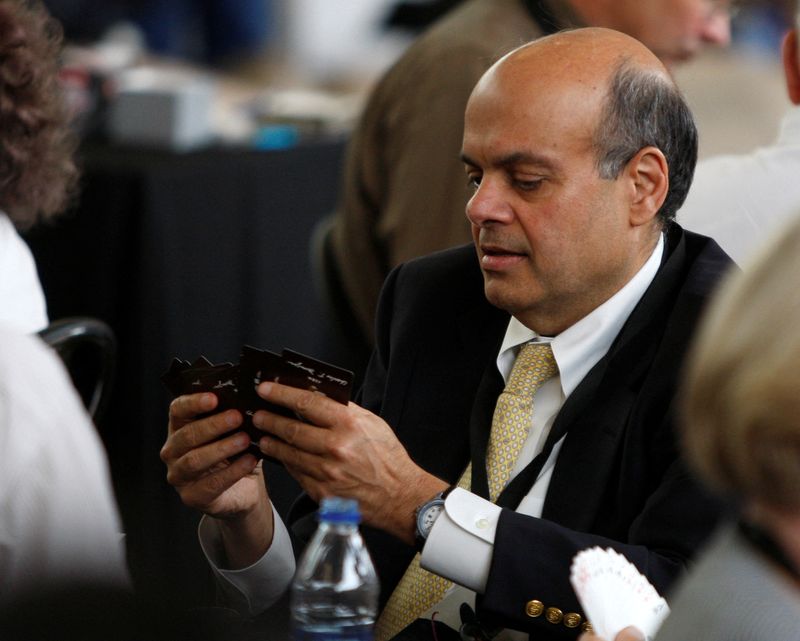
[{"x": 426, "y": 515}]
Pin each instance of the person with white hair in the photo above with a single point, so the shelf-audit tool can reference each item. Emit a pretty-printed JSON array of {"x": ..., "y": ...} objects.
[
  {"x": 741, "y": 433},
  {"x": 740, "y": 199}
]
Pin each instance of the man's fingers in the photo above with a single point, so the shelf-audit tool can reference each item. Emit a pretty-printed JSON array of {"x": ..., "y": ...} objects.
[
  {"x": 630, "y": 633},
  {"x": 203, "y": 492},
  {"x": 198, "y": 433},
  {"x": 185, "y": 408},
  {"x": 293, "y": 431},
  {"x": 293, "y": 458},
  {"x": 313, "y": 406},
  {"x": 195, "y": 463}
]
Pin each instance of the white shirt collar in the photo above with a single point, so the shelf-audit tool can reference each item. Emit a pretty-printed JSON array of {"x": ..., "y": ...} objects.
[
  {"x": 578, "y": 348},
  {"x": 789, "y": 134}
]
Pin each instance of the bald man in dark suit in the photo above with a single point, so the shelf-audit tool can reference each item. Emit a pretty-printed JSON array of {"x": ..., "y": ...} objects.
[{"x": 580, "y": 149}]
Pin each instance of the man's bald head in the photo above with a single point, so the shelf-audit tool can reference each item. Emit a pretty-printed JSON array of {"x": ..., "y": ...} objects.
[
  {"x": 588, "y": 54},
  {"x": 612, "y": 84}
]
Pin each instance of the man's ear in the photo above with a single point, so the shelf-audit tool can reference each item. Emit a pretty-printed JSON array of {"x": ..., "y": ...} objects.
[
  {"x": 648, "y": 174},
  {"x": 791, "y": 66}
]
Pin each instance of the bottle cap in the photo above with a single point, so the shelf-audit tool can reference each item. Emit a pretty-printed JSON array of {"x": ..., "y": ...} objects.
[{"x": 334, "y": 509}]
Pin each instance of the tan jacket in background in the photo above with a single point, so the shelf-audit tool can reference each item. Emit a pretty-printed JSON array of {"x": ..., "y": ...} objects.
[{"x": 404, "y": 187}]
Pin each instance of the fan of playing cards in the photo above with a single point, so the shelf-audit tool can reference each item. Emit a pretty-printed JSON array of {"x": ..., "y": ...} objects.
[
  {"x": 235, "y": 384},
  {"x": 614, "y": 594}
]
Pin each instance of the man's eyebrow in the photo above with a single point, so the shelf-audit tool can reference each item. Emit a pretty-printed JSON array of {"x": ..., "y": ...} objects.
[{"x": 516, "y": 158}]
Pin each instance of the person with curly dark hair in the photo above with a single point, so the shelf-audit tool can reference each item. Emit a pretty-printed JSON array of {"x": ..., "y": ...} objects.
[
  {"x": 59, "y": 523},
  {"x": 38, "y": 174}
]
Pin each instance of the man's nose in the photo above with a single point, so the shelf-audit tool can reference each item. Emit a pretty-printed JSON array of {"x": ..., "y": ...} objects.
[
  {"x": 717, "y": 27},
  {"x": 488, "y": 204}
]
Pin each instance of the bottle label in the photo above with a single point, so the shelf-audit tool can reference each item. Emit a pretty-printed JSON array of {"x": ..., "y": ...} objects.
[{"x": 333, "y": 633}]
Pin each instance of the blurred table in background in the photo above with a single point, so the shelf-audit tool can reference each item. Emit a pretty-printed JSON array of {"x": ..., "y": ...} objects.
[{"x": 185, "y": 254}]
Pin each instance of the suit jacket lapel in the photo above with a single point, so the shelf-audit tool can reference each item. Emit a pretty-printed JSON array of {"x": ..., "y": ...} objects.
[
  {"x": 610, "y": 391},
  {"x": 483, "y": 336},
  {"x": 630, "y": 353}
]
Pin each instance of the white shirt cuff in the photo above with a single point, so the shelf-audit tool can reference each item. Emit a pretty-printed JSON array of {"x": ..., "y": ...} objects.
[
  {"x": 253, "y": 589},
  {"x": 461, "y": 542}
]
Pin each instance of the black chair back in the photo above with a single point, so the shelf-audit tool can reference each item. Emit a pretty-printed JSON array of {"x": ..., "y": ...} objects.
[{"x": 88, "y": 348}]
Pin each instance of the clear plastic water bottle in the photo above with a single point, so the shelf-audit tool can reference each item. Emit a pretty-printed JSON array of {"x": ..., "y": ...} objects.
[{"x": 335, "y": 589}]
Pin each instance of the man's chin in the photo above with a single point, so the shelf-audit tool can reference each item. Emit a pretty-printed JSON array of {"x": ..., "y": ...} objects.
[{"x": 500, "y": 295}]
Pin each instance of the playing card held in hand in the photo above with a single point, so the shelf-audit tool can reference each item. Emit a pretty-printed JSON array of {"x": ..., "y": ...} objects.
[{"x": 235, "y": 384}]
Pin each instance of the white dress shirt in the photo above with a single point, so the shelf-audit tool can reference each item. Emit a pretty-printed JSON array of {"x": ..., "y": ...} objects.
[
  {"x": 23, "y": 305},
  {"x": 460, "y": 544},
  {"x": 58, "y": 518},
  {"x": 741, "y": 200}
]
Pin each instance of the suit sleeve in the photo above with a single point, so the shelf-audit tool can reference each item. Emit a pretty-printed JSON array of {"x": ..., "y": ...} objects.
[{"x": 528, "y": 586}]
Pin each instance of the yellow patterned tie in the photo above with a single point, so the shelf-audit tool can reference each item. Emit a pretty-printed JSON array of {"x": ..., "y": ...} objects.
[
  {"x": 419, "y": 590},
  {"x": 513, "y": 413}
]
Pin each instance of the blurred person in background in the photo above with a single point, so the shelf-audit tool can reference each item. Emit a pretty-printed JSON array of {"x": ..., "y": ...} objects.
[
  {"x": 59, "y": 523},
  {"x": 741, "y": 433},
  {"x": 37, "y": 172},
  {"x": 739, "y": 200},
  {"x": 403, "y": 191},
  {"x": 58, "y": 520}
]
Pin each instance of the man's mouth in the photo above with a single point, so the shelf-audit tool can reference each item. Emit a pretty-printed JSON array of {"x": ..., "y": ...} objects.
[
  {"x": 500, "y": 249},
  {"x": 497, "y": 257}
]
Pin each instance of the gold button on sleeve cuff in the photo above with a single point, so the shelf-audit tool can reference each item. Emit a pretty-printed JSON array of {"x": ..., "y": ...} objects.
[
  {"x": 554, "y": 615},
  {"x": 572, "y": 619},
  {"x": 587, "y": 627},
  {"x": 534, "y": 608}
]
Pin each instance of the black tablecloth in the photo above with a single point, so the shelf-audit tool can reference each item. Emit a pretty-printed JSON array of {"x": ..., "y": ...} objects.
[{"x": 185, "y": 254}]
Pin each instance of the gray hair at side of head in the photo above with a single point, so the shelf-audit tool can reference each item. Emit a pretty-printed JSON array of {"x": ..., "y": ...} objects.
[
  {"x": 645, "y": 109},
  {"x": 741, "y": 403}
]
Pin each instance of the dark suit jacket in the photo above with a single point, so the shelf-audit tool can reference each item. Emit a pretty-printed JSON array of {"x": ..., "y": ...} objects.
[{"x": 619, "y": 480}]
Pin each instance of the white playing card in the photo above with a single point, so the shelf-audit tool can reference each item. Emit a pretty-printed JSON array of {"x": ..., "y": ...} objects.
[{"x": 614, "y": 594}]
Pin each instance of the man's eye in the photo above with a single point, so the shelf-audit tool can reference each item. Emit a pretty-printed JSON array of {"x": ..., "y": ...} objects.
[
  {"x": 474, "y": 181},
  {"x": 528, "y": 185}
]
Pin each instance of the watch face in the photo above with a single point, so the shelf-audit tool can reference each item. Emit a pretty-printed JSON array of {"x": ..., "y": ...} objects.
[{"x": 427, "y": 517}]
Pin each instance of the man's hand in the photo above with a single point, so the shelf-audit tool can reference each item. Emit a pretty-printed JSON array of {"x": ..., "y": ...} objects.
[
  {"x": 200, "y": 469},
  {"x": 346, "y": 451},
  {"x": 627, "y": 634}
]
